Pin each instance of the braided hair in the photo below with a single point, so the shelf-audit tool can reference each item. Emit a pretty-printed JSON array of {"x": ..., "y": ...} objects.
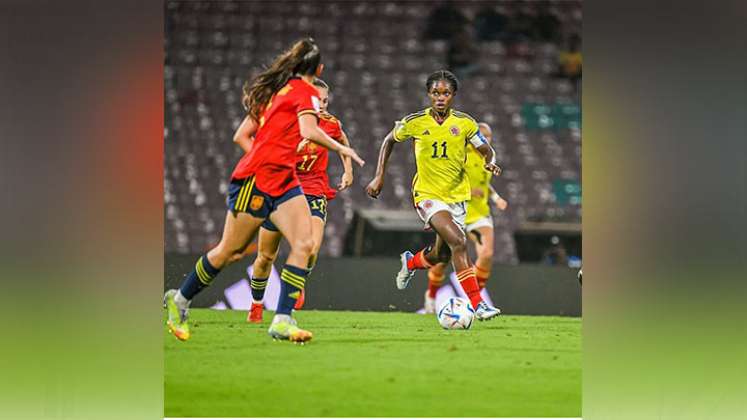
[{"x": 442, "y": 75}]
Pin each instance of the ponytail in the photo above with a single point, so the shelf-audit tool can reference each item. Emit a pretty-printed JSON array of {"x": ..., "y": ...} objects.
[{"x": 302, "y": 58}]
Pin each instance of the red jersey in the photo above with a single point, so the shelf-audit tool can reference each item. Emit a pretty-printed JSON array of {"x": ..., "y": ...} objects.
[
  {"x": 272, "y": 157},
  {"x": 312, "y": 160}
]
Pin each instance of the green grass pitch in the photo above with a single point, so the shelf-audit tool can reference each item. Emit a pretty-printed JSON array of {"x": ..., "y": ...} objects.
[{"x": 374, "y": 364}]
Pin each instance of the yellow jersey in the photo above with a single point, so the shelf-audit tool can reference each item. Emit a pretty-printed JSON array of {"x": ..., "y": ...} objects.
[
  {"x": 440, "y": 154},
  {"x": 477, "y": 206}
]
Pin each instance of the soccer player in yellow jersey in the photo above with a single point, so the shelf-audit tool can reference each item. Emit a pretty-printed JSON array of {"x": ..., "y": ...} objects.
[
  {"x": 479, "y": 222},
  {"x": 440, "y": 188}
]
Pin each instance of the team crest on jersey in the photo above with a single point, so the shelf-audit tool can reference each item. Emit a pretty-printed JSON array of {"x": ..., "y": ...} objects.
[
  {"x": 311, "y": 146},
  {"x": 454, "y": 130},
  {"x": 426, "y": 132},
  {"x": 256, "y": 202}
]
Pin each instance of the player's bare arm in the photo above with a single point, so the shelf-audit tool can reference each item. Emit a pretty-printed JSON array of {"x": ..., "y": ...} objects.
[
  {"x": 244, "y": 135},
  {"x": 347, "y": 164},
  {"x": 489, "y": 154},
  {"x": 377, "y": 183},
  {"x": 497, "y": 200},
  {"x": 310, "y": 130}
]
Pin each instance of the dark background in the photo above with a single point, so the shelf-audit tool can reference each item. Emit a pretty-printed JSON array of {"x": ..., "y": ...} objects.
[
  {"x": 377, "y": 57},
  {"x": 508, "y": 57}
]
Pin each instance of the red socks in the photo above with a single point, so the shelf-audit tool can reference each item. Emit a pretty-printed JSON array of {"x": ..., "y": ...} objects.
[
  {"x": 482, "y": 276},
  {"x": 468, "y": 281},
  {"x": 418, "y": 261},
  {"x": 435, "y": 281}
]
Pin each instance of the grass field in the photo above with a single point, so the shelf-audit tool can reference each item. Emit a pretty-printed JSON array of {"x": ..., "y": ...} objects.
[{"x": 374, "y": 364}]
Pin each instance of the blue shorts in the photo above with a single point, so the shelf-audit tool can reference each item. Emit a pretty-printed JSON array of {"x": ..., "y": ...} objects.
[
  {"x": 244, "y": 196},
  {"x": 317, "y": 204}
]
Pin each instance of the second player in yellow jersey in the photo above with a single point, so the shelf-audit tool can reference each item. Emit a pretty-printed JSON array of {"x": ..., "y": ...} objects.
[{"x": 479, "y": 180}]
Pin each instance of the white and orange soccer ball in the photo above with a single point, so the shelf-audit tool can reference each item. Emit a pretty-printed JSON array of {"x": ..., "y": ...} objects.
[{"x": 456, "y": 314}]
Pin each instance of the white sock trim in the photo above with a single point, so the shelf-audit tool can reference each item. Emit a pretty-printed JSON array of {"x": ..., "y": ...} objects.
[
  {"x": 281, "y": 318},
  {"x": 180, "y": 300}
]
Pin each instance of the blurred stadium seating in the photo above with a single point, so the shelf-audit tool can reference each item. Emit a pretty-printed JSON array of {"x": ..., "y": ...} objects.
[{"x": 376, "y": 64}]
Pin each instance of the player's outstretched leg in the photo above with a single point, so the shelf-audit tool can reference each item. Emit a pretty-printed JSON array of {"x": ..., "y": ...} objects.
[
  {"x": 237, "y": 233},
  {"x": 317, "y": 233},
  {"x": 293, "y": 219},
  {"x": 422, "y": 260},
  {"x": 443, "y": 223},
  {"x": 267, "y": 251}
]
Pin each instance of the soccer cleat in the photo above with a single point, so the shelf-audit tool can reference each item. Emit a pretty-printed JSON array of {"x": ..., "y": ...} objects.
[
  {"x": 484, "y": 312},
  {"x": 430, "y": 303},
  {"x": 405, "y": 274},
  {"x": 287, "y": 330},
  {"x": 255, "y": 313},
  {"x": 177, "y": 321},
  {"x": 300, "y": 300}
]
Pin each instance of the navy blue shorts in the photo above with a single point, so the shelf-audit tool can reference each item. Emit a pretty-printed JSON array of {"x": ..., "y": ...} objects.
[
  {"x": 244, "y": 196},
  {"x": 317, "y": 204}
]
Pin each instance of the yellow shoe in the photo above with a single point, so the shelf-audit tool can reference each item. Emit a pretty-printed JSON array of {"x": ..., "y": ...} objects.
[
  {"x": 287, "y": 330},
  {"x": 177, "y": 322}
]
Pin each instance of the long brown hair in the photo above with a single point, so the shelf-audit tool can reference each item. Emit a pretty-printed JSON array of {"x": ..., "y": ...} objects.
[{"x": 302, "y": 58}]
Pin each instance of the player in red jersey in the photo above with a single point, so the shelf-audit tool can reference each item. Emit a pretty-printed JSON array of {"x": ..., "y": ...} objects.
[
  {"x": 282, "y": 108},
  {"x": 311, "y": 167}
]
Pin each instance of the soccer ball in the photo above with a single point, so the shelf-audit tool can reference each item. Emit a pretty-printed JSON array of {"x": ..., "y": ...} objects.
[{"x": 456, "y": 314}]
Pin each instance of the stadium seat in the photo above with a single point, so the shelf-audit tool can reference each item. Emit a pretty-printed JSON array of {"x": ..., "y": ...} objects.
[{"x": 376, "y": 63}]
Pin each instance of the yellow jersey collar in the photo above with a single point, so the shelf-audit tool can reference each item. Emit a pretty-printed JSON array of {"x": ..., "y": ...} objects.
[{"x": 448, "y": 115}]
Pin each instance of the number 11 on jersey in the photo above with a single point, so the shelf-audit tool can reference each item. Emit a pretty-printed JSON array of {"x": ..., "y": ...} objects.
[{"x": 435, "y": 150}]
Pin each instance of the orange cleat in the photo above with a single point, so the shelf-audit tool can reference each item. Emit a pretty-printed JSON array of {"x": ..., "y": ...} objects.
[
  {"x": 300, "y": 301},
  {"x": 300, "y": 336},
  {"x": 255, "y": 313}
]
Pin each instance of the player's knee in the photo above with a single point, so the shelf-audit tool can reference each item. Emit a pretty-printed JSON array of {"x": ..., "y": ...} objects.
[
  {"x": 217, "y": 256},
  {"x": 458, "y": 245}
]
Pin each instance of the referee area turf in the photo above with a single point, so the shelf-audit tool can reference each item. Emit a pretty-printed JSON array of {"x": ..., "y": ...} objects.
[{"x": 374, "y": 364}]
